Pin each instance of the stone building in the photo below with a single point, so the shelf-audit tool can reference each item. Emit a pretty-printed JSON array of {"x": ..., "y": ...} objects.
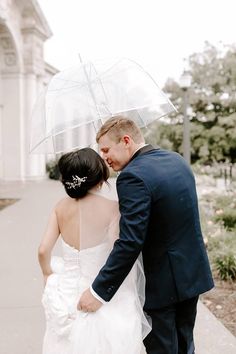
[{"x": 23, "y": 73}]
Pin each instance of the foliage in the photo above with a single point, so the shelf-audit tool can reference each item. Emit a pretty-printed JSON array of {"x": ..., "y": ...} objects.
[
  {"x": 228, "y": 217},
  {"x": 220, "y": 239},
  {"x": 167, "y": 136},
  {"x": 226, "y": 267},
  {"x": 225, "y": 211},
  {"x": 52, "y": 170},
  {"x": 213, "y": 83},
  {"x": 212, "y": 102}
]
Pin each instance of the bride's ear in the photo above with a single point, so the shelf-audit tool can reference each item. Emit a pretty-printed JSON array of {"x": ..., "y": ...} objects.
[{"x": 99, "y": 185}]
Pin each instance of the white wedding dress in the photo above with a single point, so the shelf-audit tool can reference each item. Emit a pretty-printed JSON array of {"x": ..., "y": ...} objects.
[{"x": 119, "y": 326}]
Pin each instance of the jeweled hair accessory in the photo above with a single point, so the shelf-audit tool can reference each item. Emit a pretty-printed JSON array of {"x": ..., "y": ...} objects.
[{"x": 76, "y": 182}]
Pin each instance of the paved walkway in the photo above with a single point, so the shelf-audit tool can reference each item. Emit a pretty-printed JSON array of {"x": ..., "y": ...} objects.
[{"x": 21, "y": 314}]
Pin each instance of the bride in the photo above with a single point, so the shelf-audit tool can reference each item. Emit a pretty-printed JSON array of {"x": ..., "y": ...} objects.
[{"x": 87, "y": 223}]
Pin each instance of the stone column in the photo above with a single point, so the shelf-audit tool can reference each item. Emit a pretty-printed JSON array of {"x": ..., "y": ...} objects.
[
  {"x": 35, "y": 165},
  {"x": 35, "y": 31},
  {"x": 12, "y": 117}
]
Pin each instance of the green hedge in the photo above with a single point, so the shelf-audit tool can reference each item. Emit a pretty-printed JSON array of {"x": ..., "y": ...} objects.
[
  {"x": 52, "y": 170},
  {"x": 226, "y": 266},
  {"x": 228, "y": 218}
]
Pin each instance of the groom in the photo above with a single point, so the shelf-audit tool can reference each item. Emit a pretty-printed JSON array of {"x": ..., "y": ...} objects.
[{"x": 160, "y": 218}]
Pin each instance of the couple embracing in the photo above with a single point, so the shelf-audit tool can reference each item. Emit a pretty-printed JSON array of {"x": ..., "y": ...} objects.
[{"x": 132, "y": 270}]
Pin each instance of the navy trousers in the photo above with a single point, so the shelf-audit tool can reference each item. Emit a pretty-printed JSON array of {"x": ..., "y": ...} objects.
[{"x": 172, "y": 329}]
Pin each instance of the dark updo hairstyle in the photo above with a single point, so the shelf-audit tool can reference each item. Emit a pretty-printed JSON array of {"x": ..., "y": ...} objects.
[{"x": 82, "y": 163}]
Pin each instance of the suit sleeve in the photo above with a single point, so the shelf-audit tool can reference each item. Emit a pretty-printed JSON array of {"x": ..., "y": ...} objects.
[{"x": 135, "y": 207}]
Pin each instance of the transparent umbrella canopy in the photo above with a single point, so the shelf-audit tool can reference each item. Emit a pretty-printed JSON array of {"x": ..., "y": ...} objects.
[{"x": 79, "y": 100}]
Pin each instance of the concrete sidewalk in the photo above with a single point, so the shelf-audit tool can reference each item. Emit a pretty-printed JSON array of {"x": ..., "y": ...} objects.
[{"x": 21, "y": 313}]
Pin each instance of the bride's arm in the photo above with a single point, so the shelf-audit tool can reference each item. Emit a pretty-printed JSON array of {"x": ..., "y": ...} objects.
[{"x": 48, "y": 241}]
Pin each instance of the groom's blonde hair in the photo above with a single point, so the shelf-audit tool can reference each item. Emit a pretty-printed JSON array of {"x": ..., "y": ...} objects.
[{"x": 118, "y": 126}]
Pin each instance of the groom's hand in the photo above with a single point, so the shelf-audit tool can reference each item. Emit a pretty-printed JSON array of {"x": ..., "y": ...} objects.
[{"x": 88, "y": 303}]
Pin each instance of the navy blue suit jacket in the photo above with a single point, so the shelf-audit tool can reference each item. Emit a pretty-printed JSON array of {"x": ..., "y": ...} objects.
[{"x": 160, "y": 218}]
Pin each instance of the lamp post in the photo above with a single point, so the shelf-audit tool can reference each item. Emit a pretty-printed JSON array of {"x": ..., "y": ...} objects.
[{"x": 185, "y": 82}]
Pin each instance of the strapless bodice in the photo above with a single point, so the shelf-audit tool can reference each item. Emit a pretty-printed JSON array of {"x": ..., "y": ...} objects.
[{"x": 85, "y": 262}]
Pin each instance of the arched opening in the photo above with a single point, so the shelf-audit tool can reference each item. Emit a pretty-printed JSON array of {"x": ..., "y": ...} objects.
[{"x": 10, "y": 92}]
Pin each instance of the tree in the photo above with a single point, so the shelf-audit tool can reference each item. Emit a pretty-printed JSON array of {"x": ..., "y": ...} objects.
[
  {"x": 212, "y": 94},
  {"x": 212, "y": 98}
]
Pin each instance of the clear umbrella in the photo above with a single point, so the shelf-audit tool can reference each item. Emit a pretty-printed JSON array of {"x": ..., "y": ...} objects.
[{"x": 79, "y": 100}]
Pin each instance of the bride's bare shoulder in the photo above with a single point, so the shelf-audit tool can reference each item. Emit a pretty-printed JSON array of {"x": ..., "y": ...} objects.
[
  {"x": 64, "y": 202},
  {"x": 111, "y": 204}
]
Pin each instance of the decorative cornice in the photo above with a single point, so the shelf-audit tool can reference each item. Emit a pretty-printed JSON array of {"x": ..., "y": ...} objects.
[
  {"x": 50, "y": 69},
  {"x": 34, "y": 20},
  {"x": 42, "y": 18}
]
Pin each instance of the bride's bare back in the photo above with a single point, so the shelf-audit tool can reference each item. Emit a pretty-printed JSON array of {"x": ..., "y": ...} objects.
[{"x": 84, "y": 223}]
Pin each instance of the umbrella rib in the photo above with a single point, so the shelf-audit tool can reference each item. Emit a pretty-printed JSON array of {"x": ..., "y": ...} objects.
[
  {"x": 104, "y": 72},
  {"x": 103, "y": 92},
  {"x": 91, "y": 91},
  {"x": 144, "y": 124},
  {"x": 71, "y": 87}
]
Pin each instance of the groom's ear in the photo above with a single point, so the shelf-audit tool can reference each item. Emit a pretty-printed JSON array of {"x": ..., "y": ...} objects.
[{"x": 126, "y": 139}]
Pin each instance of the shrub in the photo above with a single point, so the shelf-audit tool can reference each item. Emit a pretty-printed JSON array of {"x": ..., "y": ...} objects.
[
  {"x": 226, "y": 266},
  {"x": 228, "y": 218},
  {"x": 52, "y": 170}
]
